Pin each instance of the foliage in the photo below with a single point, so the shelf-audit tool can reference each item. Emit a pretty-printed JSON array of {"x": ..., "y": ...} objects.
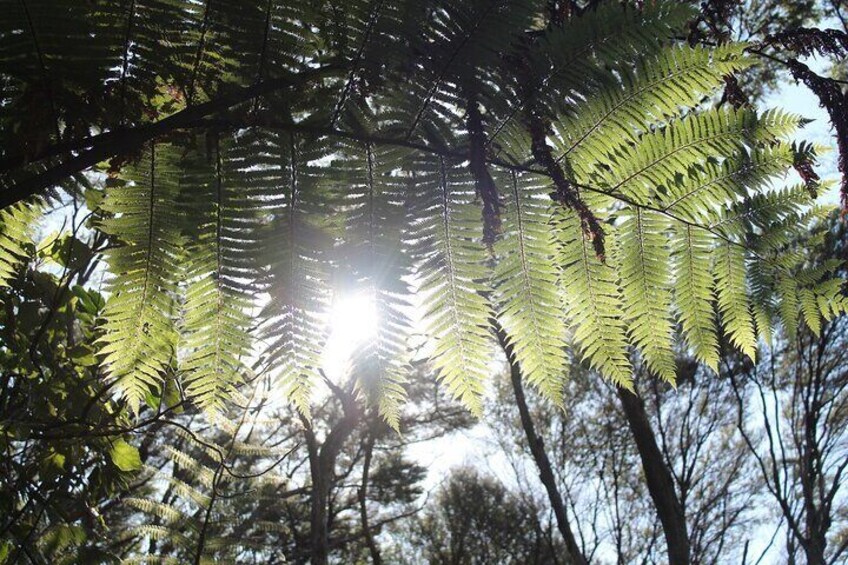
[
  {"x": 475, "y": 519},
  {"x": 269, "y": 149}
]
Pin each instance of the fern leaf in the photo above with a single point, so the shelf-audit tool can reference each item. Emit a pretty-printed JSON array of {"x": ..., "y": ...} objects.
[
  {"x": 526, "y": 282},
  {"x": 298, "y": 283},
  {"x": 448, "y": 245},
  {"x": 660, "y": 88},
  {"x": 693, "y": 291},
  {"x": 139, "y": 338},
  {"x": 372, "y": 197},
  {"x": 16, "y": 225},
  {"x": 638, "y": 171},
  {"x": 733, "y": 301},
  {"x": 592, "y": 302},
  {"x": 646, "y": 288},
  {"x": 218, "y": 296}
]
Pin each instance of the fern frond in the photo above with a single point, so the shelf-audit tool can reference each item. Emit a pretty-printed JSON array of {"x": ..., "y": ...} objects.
[
  {"x": 660, "y": 88},
  {"x": 694, "y": 290},
  {"x": 461, "y": 41},
  {"x": 447, "y": 240},
  {"x": 711, "y": 187},
  {"x": 298, "y": 282},
  {"x": 526, "y": 282},
  {"x": 572, "y": 58},
  {"x": 763, "y": 297},
  {"x": 226, "y": 211},
  {"x": 166, "y": 513},
  {"x": 372, "y": 198},
  {"x": 659, "y": 158},
  {"x": 733, "y": 301},
  {"x": 593, "y": 302},
  {"x": 16, "y": 226},
  {"x": 139, "y": 338},
  {"x": 644, "y": 264}
]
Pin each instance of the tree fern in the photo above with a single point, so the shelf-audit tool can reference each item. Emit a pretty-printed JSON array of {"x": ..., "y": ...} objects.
[
  {"x": 300, "y": 148},
  {"x": 190, "y": 522},
  {"x": 527, "y": 285},
  {"x": 15, "y": 227},
  {"x": 140, "y": 339},
  {"x": 446, "y": 234},
  {"x": 593, "y": 303}
]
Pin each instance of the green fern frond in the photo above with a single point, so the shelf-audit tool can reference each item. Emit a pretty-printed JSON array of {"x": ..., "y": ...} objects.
[
  {"x": 761, "y": 275},
  {"x": 733, "y": 301},
  {"x": 462, "y": 41},
  {"x": 447, "y": 242},
  {"x": 574, "y": 58},
  {"x": 226, "y": 211},
  {"x": 371, "y": 195},
  {"x": 638, "y": 171},
  {"x": 644, "y": 264},
  {"x": 660, "y": 88},
  {"x": 16, "y": 226},
  {"x": 298, "y": 243},
  {"x": 763, "y": 210},
  {"x": 166, "y": 513},
  {"x": 526, "y": 282},
  {"x": 593, "y": 302},
  {"x": 139, "y": 338},
  {"x": 709, "y": 188},
  {"x": 694, "y": 290}
]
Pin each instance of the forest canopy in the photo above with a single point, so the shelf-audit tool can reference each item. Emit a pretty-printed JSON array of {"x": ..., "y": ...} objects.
[{"x": 584, "y": 197}]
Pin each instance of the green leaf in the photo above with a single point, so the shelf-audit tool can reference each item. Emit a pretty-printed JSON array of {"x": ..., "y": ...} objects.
[{"x": 125, "y": 456}]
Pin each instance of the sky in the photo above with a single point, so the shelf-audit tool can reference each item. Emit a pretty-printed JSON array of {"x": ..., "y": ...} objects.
[{"x": 796, "y": 98}]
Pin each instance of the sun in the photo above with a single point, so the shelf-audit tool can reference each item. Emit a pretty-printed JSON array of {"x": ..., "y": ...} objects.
[{"x": 352, "y": 322}]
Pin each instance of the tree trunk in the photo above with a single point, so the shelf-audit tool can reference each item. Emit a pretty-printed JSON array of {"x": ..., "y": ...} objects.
[
  {"x": 540, "y": 456},
  {"x": 322, "y": 467},
  {"x": 658, "y": 478},
  {"x": 362, "y": 495}
]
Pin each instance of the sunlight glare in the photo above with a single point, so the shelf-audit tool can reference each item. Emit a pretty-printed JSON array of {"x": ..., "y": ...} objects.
[{"x": 353, "y": 321}]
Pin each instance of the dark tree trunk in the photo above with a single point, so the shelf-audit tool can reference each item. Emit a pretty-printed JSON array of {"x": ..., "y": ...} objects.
[
  {"x": 658, "y": 478},
  {"x": 322, "y": 467},
  {"x": 540, "y": 456},
  {"x": 362, "y": 495}
]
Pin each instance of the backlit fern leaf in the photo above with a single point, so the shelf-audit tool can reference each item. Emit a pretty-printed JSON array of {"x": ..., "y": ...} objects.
[
  {"x": 372, "y": 197},
  {"x": 447, "y": 239},
  {"x": 661, "y": 87},
  {"x": 697, "y": 195},
  {"x": 592, "y": 302},
  {"x": 16, "y": 224},
  {"x": 526, "y": 283},
  {"x": 646, "y": 288},
  {"x": 297, "y": 245},
  {"x": 693, "y": 290},
  {"x": 637, "y": 171},
  {"x": 139, "y": 338},
  {"x": 733, "y": 302},
  {"x": 225, "y": 210}
]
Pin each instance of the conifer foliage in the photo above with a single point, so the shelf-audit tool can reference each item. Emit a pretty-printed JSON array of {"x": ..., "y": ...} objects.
[{"x": 572, "y": 181}]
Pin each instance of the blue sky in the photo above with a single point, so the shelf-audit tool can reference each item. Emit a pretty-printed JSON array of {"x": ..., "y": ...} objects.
[{"x": 798, "y": 99}]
